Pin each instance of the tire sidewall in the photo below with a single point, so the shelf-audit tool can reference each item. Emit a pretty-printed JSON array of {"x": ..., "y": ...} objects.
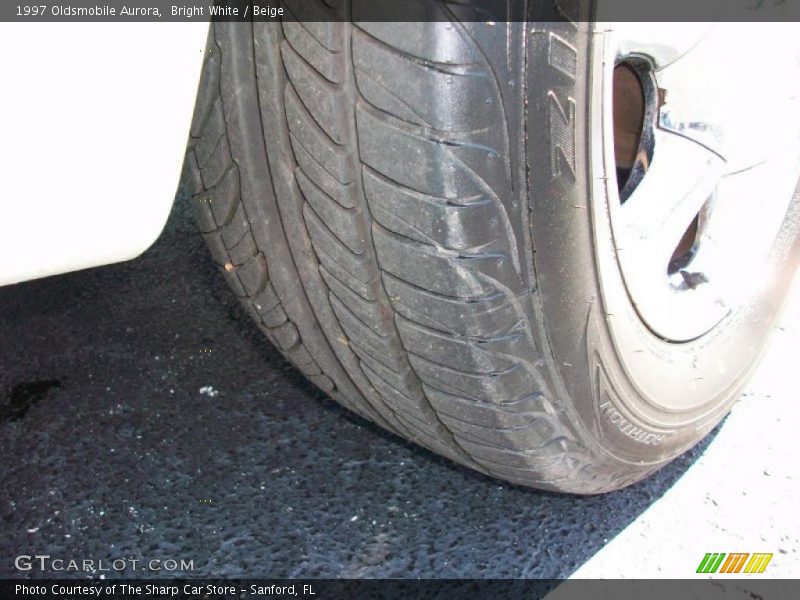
[{"x": 615, "y": 372}]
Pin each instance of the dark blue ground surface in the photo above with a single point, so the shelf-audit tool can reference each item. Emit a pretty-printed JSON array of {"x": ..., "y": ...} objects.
[{"x": 109, "y": 449}]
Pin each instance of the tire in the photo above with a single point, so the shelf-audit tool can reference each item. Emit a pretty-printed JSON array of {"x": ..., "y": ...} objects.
[{"x": 402, "y": 209}]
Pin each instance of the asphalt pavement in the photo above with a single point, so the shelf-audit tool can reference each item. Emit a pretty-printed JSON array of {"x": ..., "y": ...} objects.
[{"x": 143, "y": 417}]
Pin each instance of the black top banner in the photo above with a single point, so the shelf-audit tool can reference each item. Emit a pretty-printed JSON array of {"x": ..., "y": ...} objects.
[{"x": 492, "y": 11}]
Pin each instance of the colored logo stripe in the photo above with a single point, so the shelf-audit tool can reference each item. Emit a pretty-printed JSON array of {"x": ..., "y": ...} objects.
[
  {"x": 758, "y": 562},
  {"x": 733, "y": 564},
  {"x": 710, "y": 562}
]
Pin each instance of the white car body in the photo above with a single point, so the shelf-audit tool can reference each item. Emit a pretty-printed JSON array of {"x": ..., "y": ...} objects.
[{"x": 93, "y": 181}]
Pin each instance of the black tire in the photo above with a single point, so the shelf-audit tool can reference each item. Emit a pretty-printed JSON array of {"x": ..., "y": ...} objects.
[{"x": 402, "y": 208}]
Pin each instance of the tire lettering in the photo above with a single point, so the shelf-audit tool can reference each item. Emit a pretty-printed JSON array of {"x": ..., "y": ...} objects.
[
  {"x": 629, "y": 429},
  {"x": 562, "y": 56},
  {"x": 562, "y": 135}
]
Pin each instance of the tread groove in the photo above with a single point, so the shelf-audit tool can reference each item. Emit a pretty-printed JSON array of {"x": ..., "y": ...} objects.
[{"x": 375, "y": 238}]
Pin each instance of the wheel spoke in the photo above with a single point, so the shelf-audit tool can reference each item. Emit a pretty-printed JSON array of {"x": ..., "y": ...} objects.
[
  {"x": 700, "y": 134},
  {"x": 708, "y": 108},
  {"x": 713, "y": 58},
  {"x": 681, "y": 178}
]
